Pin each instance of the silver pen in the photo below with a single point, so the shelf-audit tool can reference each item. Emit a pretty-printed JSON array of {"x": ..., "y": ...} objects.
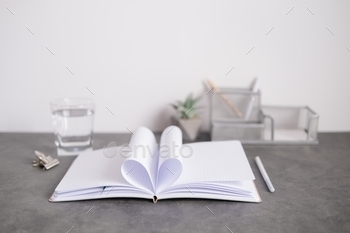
[{"x": 264, "y": 174}]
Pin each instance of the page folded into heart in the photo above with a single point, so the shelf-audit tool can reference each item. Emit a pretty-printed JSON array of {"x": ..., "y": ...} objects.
[
  {"x": 168, "y": 173},
  {"x": 147, "y": 167},
  {"x": 140, "y": 166},
  {"x": 170, "y": 159},
  {"x": 136, "y": 174}
]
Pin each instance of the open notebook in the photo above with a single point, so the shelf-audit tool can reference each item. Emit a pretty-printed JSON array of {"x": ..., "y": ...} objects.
[{"x": 142, "y": 169}]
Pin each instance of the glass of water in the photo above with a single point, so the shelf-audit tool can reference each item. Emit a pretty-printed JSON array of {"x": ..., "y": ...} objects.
[{"x": 73, "y": 121}]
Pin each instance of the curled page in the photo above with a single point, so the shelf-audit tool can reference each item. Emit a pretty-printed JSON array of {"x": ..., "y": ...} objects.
[
  {"x": 140, "y": 166},
  {"x": 169, "y": 165}
]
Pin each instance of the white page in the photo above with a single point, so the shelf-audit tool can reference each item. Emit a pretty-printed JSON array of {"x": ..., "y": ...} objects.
[
  {"x": 170, "y": 165},
  {"x": 89, "y": 196},
  {"x": 224, "y": 188},
  {"x": 252, "y": 194},
  {"x": 140, "y": 168},
  {"x": 93, "y": 169},
  {"x": 215, "y": 162}
]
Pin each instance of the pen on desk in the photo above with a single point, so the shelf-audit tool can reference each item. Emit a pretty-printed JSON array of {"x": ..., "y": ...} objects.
[{"x": 264, "y": 174}]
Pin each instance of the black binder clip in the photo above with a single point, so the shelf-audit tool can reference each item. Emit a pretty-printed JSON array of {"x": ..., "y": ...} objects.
[{"x": 44, "y": 161}]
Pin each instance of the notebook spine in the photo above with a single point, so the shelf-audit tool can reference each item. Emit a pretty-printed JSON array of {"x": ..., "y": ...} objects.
[{"x": 155, "y": 199}]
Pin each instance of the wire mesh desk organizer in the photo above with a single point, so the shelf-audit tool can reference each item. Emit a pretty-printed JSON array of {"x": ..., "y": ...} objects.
[{"x": 256, "y": 124}]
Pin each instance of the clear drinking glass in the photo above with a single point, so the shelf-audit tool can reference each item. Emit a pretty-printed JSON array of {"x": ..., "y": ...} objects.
[{"x": 73, "y": 121}]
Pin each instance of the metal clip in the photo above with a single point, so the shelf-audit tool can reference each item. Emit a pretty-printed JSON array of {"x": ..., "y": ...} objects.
[{"x": 44, "y": 161}]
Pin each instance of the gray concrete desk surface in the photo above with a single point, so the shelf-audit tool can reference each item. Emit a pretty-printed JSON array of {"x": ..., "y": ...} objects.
[{"x": 312, "y": 194}]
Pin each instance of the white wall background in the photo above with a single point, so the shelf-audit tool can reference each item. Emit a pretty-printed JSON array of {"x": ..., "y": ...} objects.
[{"x": 139, "y": 56}]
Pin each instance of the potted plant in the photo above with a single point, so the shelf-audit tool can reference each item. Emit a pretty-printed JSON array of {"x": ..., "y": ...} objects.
[{"x": 187, "y": 118}]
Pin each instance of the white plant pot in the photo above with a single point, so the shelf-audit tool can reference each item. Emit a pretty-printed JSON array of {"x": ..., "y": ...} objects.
[{"x": 189, "y": 127}]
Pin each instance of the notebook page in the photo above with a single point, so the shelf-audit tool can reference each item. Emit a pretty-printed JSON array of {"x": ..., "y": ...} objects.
[
  {"x": 215, "y": 162},
  {"x": 249, "y": 186},
  {"x": 170, "y": 165},
  {"x": 92, "y": 169},
  {"x": 140, "y": 166}
]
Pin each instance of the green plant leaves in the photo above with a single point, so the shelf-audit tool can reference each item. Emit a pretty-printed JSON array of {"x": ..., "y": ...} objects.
[{"x": 188, "y": 108}]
